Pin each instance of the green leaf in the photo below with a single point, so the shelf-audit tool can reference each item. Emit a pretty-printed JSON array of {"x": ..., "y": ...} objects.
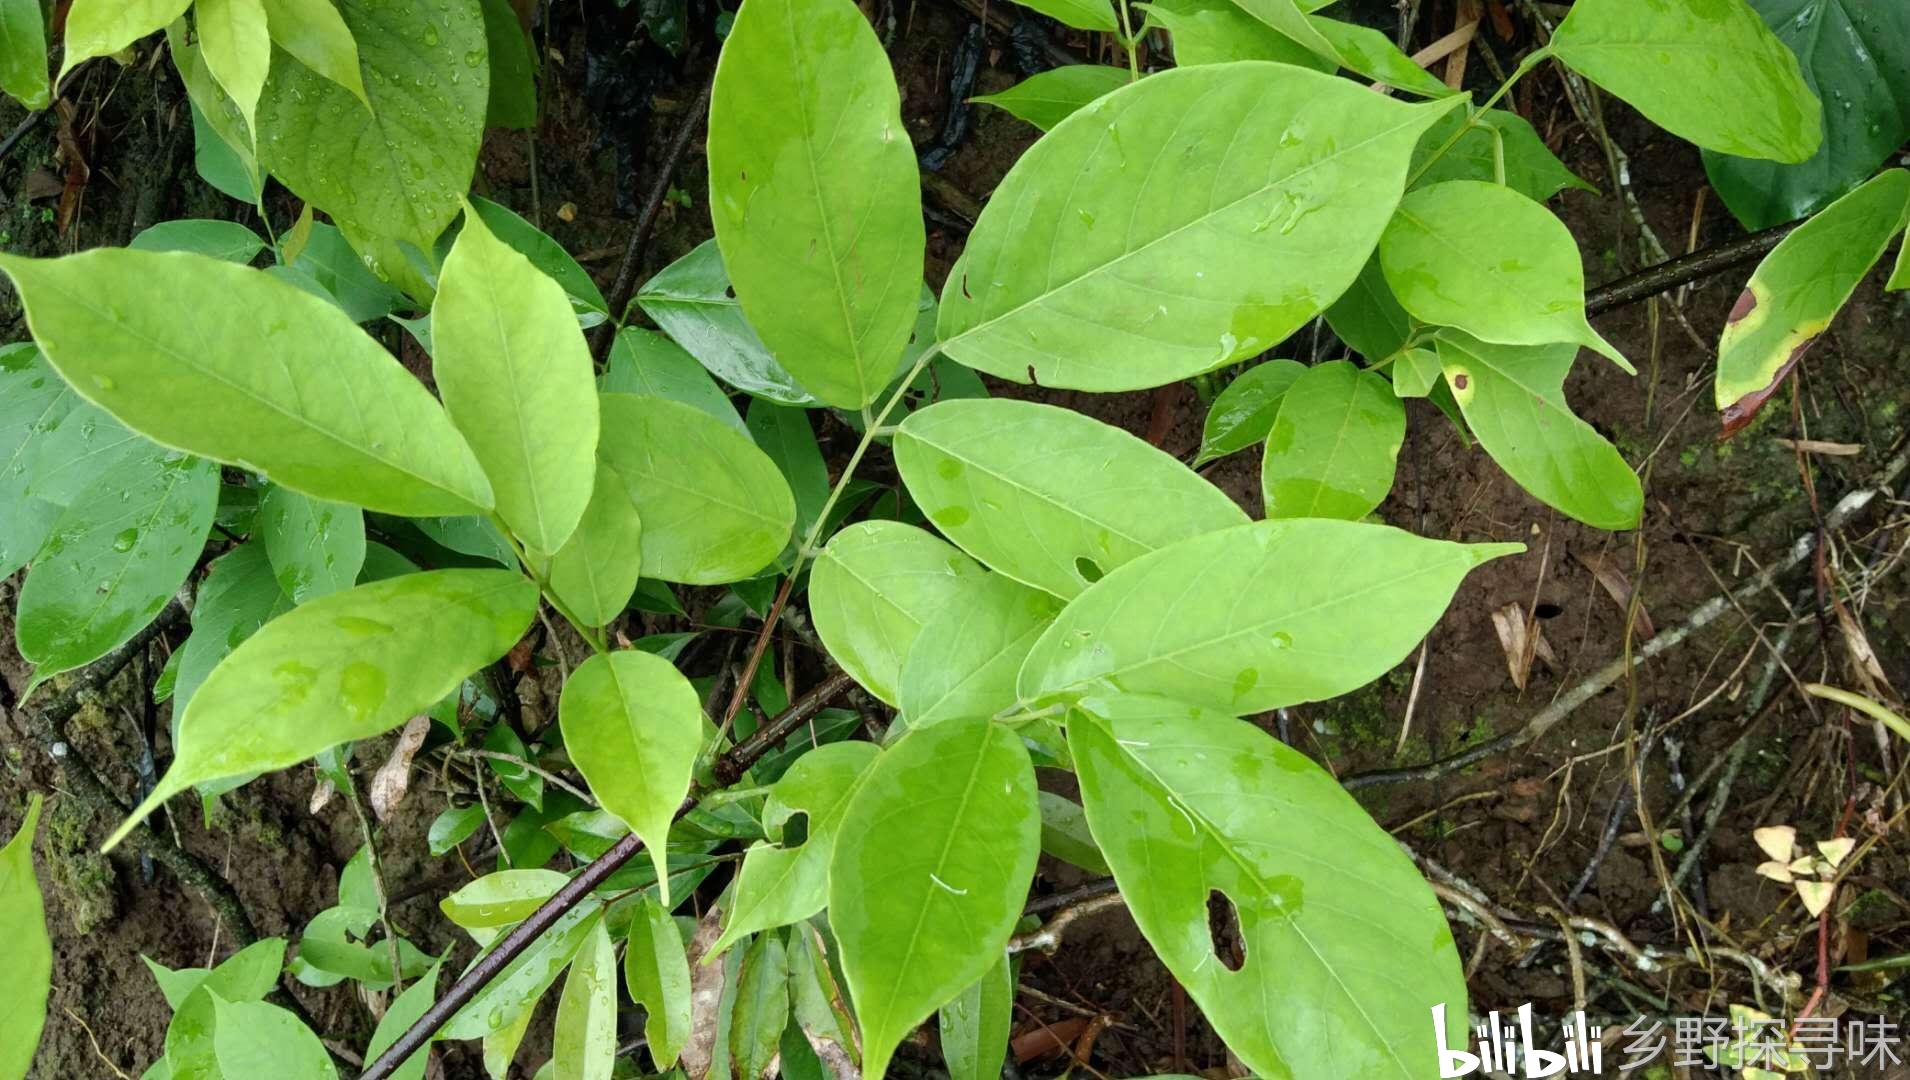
[
  {"x": 1119, "y": 253},
  {"x": 1491, "y": 262},
  {"x": 1341, "y": 933},
  {"x": 1708, "y": 71},
  {"x": 1900, "y": 278},
  {"x": 239, "y": 595},
  {"x": 784, "y": 433},
  {"x": 1368, "y": 316},
  {"x": 252, "y": 1038},
  {"x": 114, "y": 558},
  {"x": 473, "y": 536},
  {"x": 1498, "y": 140},
  {"x": 1416, "y": 373},
  {"x": 1065, "y": 834},
  {"x": 534, "y": 244},
  {"x": 584, "y": 1045},
  {"x": 500, "y": 1046},
  {"x": 814, "y": 194},
  {"x": 247, "y": 975},
  {"x": 23, "y": 53},
  {"x": 658, "y": 974},
  {"x": 517, "y": 380},
  {"x": 80, "y": 450},
  {"x": 1223, "y": 621},
  {"x": 1243, "y": 413},
  {"x": 964, "y": 661},
  {"x": 1218, "y": 32},
  {"x": 227, "y": 241},
  {"x": 173, "y": 353},
  {"x": 714, "y": 507},
  {"x": 1513, "y": 398},
  {"x": 103, "y": 27},
  {"x": 1050, "y": 97},
  {"x": 189, "y": 1049},
  {"x": 596, "y": 571},
  {"x": 222, "y": 150},
  {"x": 515, "y": 990},
  {"x": 779, "y": 883},
  {"x": 316, "y": 35},
  {"x": 762, "y": 1007},
  {"x": 692, "y": 301},
  {"x": 29, "y": 950},
  {"x": 513, "y": 101},
  {"x": 1334, "y": 445},
  {"x": 633, "y": 725},
  {"x": 1799, "y": 288},
  {"x": 347, "y": 666},
  {"x": 816, "y": 999},
  {"x": 454, "y": 827},
  {"x": 34, "y": 403},
  {"x": 1063, "y": 519},
  {"x": 977, "y": 1025},
  {"x": 316, "y": 547},
  {"x": 873, "y": 587},
  {"x": 931, "y": 867},
  {"x": 501, "y": 898},
  {"x": 407, "y": 1010},
  {"x": 329, "y": 260},
  {"x": 237, "y": 49},
  {"x": 1371, "y": 53},
  {"x": 647, "y": 363},
  {"x": 1080, "y": 14},
  {"x": 399, "y": 171}
]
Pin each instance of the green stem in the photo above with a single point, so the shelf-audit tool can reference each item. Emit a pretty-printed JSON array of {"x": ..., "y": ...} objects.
[
  {"x": 1862, "y": 704},
  {"x": 1128, "y": 42},
  {"x": 870, "y": 428},
  {"x": 1532, "y": 60},
  {"x": 591, "y": 634}
]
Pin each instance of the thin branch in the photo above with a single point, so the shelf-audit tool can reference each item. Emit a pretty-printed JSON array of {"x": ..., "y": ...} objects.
[
  {"x": 1684, "y": 270},
  {"x": 1048, "y": 937}
]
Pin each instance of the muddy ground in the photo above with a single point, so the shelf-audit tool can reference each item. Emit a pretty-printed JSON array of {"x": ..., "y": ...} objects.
[{"x": 1515, "y": 831}]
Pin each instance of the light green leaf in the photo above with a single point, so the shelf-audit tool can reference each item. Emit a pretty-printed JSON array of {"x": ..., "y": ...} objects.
[
  {"x": 1080, "y": 14},
  {"x": 501, "y": 898},
  {"x": 814, "y": 193},
  {"x": 316, "y": 35},
  {"x": 399, "y": 171},
  {"x": 1119, "y": 253},
  {"x": 534, "y": 244},
  {"x": 964, "y": 661},
  {"x": 815, "y": 995},
  {"x": 114, "y": 558},
  {"x": 467, "y": 535},
  {"x": 584, "y": 1045},
  {"x": 658, "y": 974},
  {"x": 189, "y": 1049},
  {"x": 596, "y": 570},
  {"x": 222, "y": 143},
  {"x": 103, "y": 27},
  {"x": 1218, "y": 31},
  {"x": 454, "y": 827},
  {"x": 517, "y": 380},
  {"x": 645, "y": 362},
  {"x": 500, "y": 1046},
  {"x": 227, "y": 241},
  {"x": 1065, "y": 834},
  {"x": 23, "y": 53},
  {"x": 1417, "y": 373},
  {"x": 513, "y": 102},
  {"x": 931, "y": 868},
  {"x": 516, "y": 989},
  {"x": 762, "y": 1007},
  {"x": 633, "y": 725},
  {"x": 1093, "y": 499},
  {"x": 977, "y": 1025},
  {"x": 237, "y": 49},
  {"x": 170, "y": 345},
  {"x": 714, "y": 508},
  {"x": 316, "y": 547},
  {"x": 1050, "y": 97},
  {"x": 1498, "y": 140},
  {"x": 1900, "y": 278},
  {"x": 252, "y": 1038},
  {"x": 247, "y": 975},
  {"x": 1799, "y": 288},
  {"x": 29, "y": 950},
  {"x": 407, "y": 1010},
  {"x": 1243, "y": 413},
  {"x": 1491, "y": 262},
  {"x": 81, "y": 449},
  {"x": 1223, "y": 621},
  {"x": 1371, "y": 53},
  {"x": 1513, "y": 398},
  {"x": 347, "y": 666},
  {"x": 692, "y": 301},
  {"x": 873, "y": 587},
  {"x": 1346, "y": 948},
  {"x": 1708, "y": 71},
  {"x": 782, "y": 884},
  {"x": 1334, "y": 445},
  {"x": 34, "y": 402}
]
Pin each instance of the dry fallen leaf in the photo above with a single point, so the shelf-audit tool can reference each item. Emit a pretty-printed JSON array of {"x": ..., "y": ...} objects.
[
  {"x": 1836, "y": 851},
  {"x": 1618, "y": 587},
  {"x": 1777, "y": 841},
  {"x": 706, "y": 997},
  {"x": 393, "y": 778},
  {"x": 1523, "y": 640}
]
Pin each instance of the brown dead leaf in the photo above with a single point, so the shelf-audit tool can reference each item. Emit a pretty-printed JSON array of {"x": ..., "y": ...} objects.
[
  {"x": 706, "y": 997},
  {"x": 1523, "y": 641},
  {"x": 1618, "y": 587},
  {"x": 393, "y": 778},
  {"x": 322, "y": 795},
  {"x": 1048, "y": 1040},
  {"x": 77, "y": 171},
  {"x": 519, "y": 658},
  {"x": 1821, "y": 448}
]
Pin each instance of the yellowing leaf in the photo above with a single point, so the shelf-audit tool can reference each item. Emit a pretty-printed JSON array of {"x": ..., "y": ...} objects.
[
  {"x": 103, "y": 27},
  {"x": 237, "y": 50}
]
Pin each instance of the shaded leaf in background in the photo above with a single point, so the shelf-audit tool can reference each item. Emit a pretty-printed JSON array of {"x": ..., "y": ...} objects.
[
  {"x": 29, "y": 951},
  {"x": 23, "y": 59},
  {"x": 965, "y": 659},
  {"x": 316, "y": 547},
  {"x": 1046, "y": 99},
  {"x": 534, "y": 244},
  {"x": 1243, "y": 413},
  {"x": 762, "y": 1007},
  {"x": 692, "y": 301},
  {"x": 784, "y": 433},
  {"x": 1334, "y": 444},
  {"x": 454, "y": 827},
  {"x": 873, "y": 587},
  {"x": 1367, "y": 316},
  {"x": 239, "y": 594},
  {"x": 227, "y": 241},
  {"x": 1080, "y": 14},
  {"x": 975, "y": 1026},
  {"x": 1065, "y": 834},
  {"x": 330, "y": 261},
  {"x": 222, "y": 144},
  {"x": 1531, "y": 169},
  {"x": 1218, "y": 31},
  {"x": 658, "y": 974},
  {"x": 513, "y": 101},
  {"x": 646, "y": 363}
]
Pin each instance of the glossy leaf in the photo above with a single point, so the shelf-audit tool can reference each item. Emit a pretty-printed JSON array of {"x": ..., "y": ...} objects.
[
  {"x": 1513, "y": 398},
  {"x": 407, "y": 1009},
  {"x": 762, "y": 1007},
  {"x": 1243, "y": 413},
  {"x": 1488, "y": 260},
  {"x": 29, "y": 950},
  {"x": 633, "y": 725},
  {"x": 1223, "y": 621},
  {"x": 454, "y": 827},
  {"x": 1050, "y": 97},
  {"x": 584, "y": 1046},
  {"x": 692, "y": 301},
  {"x": 873, "y": 587},
  {"x": 513, "y": 101},
  {"x": 931, "y": 867},
  {"x": 34, "y": 402},
  {"x": 1080, "y": 14},
  {"x": 399, "y": 170},
  {"x": 23, "y": 53},
  {"x": 977, "y": 1025},
  {"x": 314, "y": 33},
  {"x": 814, "y": 194},
  {"x": 115, "y": 557},
  {"x": 80, "y": 450},
  {"x": 534, "y": 244},
  {"x": 252, "y": 1038},
  {"x": 517, "y": 380},
  {"x": 1346, "y": 947},
  {"x": 1218, "y": 32},
  {"x": 222, "y": 144},
  {"x": 501, "y": 898},
  {"x": 1799, "y": 288},
  {"x": 237, "y": 49},
  {"x": 316, "y": 547},
  {"x": 658, "y": 974},
  {"x": 714, "y": 508},
  {"x": 1368, "y": 52},
  {"x": 964, "y": 661},
  {"x": 647, "y": 363},
  {"x": 1334, "y": 445},
  {"x": 347, "y": 666},
  {"x": 1119, "y": 253},
  {"x": 103, "y": 27},
  {"x": 1094, "y": 498},
  {"x": 782, "y": 883},
  {"x": 516, "y": 989},
  {"x": 174, "y": 356},
  {"x": 597, "y": 569},
  {"x": 1708, "y": 71},
  {"x": 239, "y": 594},
  {"x": 227, "y": 241},
  {"x": 1500, "y": 140}
]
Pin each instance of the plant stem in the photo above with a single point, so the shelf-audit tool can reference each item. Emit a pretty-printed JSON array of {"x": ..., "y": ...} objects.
[
  {"x": 1862, "y": 704},
  {"x": 592, "y": 635},
  {"x": 377, "y": 873},
  {"x": 1128, "y": 42},
  {"x": 1531, "y": 61}
]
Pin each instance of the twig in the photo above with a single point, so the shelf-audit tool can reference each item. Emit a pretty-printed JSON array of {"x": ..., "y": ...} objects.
[
  {"x": 377, "y": 866},
  {"x": 1092, "y": 889},
  {"x": 546, "y": 774},
  {"x": 1048, "y": 937},
  {"x": 1684, "y": 270}
]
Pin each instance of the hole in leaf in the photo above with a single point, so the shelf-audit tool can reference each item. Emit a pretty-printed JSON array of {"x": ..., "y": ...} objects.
[
  {"x": 729, "y": 291},
  {"x": 796, "y": 829},
  {"x": 1548, "y": 610},
  {"x": 1089, "y": 570},
  {"x": 1223, "y": 926}
]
